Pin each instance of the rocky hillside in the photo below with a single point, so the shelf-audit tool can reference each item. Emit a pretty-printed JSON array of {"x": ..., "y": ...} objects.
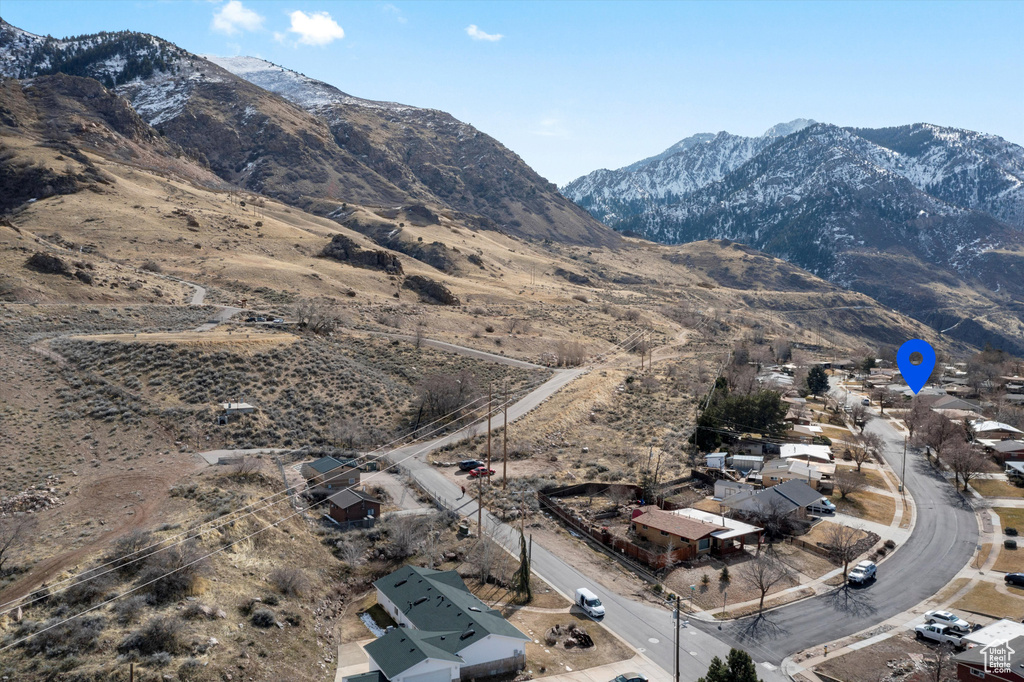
[
  {"x": 316, "y": 150},
  {"x": 845, "y": 204}
]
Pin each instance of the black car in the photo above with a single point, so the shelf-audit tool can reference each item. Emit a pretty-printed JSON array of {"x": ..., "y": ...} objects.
[
  {"x": 470, "y": 464},
  {"x": 1014, "y": 579},
  {"x": 250, "y": 319}
]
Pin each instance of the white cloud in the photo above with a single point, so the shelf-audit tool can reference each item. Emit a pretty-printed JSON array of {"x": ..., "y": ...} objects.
[
  {"x": 233, "y": 17},
  {"x": 395, "y": 12},
  {"x": 316, "y": 28},
  {"x": 476, "y": 34}
]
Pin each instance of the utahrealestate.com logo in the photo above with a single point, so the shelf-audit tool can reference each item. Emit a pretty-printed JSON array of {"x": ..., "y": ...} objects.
[{"x": 997, "y": 656}]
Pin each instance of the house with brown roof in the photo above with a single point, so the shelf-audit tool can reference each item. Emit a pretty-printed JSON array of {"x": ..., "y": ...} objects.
[
  {"x": 347, "y": 506},
  {"x": 672, "y": 531}
]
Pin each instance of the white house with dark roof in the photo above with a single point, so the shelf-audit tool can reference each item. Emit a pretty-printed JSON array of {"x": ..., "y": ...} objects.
[{"x": 445, "y": 632}]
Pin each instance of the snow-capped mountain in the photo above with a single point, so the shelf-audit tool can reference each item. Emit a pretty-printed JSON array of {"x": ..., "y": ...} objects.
[
  {"x": 850, "y": 205},
  {"x": 302, "y": 141}
]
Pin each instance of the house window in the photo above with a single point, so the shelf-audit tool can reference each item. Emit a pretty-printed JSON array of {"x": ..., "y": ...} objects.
[
  {"x": 664, "y": 533},
  {"x": 645, "y": 527},
  {"x": 978, "y": 673},
  {"x": 704, "y": 543},
  {"x": 351, "y": 481}
]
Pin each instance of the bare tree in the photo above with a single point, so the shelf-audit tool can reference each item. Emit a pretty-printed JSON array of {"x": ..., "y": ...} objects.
[
  {"x": 860, "y": 414},
  {"x": 939, "y": 660},
  {"x": 444, "y": 396},
  {"x": 848, "y": 482},
  {"x": 571, "y": 353},
  {"x": 518, "y": 325},
  {"x": 917, "y": 416},
  {"x": 13, "y": 533},
  {"x": 841, "y": 543},
  {"x": 483, "y": 557},
  {"x": 965, "y": 460},
  {"x": 316, "y": 316},
  {"x": 764, "y": 572},
  {"x": 246, "y": 468},
  {"x": 421, "y": 330},
  {"x": 864, "y": 448},
  {"x": 773, "y": 516},
  {"x": 352, "y": 549},
  {"x": 348, "y": 433},
  {"x": 938, "y": 432},
  {"x": 405, "y": 535}
]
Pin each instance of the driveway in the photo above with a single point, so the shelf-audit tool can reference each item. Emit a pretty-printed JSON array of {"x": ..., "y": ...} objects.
[{"x": 944, "y": 539}]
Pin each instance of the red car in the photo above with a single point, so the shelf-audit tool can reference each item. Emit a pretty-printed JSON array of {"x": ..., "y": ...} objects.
[{"x": 481, "y": 471}]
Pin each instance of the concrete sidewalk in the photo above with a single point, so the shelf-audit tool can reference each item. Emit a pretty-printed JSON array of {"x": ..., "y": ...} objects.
[{"x": 605, "y": 673}]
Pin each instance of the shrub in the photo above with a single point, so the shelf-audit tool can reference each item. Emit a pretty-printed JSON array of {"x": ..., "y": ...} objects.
[
  {"x": 723, "y": 577},
  {"x": 1011, "y": 531},
  {"x": 657, "y": 589},
  {"x": 161, "y": 633},
  {"x": 263, "y": 618},
  {"x": 173, "y": 572},
  {"x": 151, "y": 266},
  {"x": 191, "y": 670},
  {"x": 125, "y": 553},
  {"x": 1010, "y": 544},
  {"x": 62, "y": 640},
  {"x": 890, "y": 544},
  {"x": 127, "y": 611},
  {"x": 90, "y": 587},
  {"x": 290, "y": 581}
]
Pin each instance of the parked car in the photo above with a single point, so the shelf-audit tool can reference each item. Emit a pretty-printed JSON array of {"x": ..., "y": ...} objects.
[
  {"x": 250, "y": 319},
  {"x": 865, "y": 401},
  {"x": 822, "y": 506},
  {"x": 589, "y": 602},
  {"x": 938, "y": 633},
  {"x": 863, "y": 572},
  {"x": 261, "y": 319},
  {"x": 1014, "y": 579},
  {"x": 278, "y": 320},
  {"x": 481, "y": 471},
  {"x": 470, "y": 464},
  {"x": 630, "y": 677},
  {"x": 950, "y": 620}
]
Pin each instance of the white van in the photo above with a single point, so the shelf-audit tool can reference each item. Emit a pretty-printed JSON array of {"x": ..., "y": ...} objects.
[{"x": 589, "y": 602}]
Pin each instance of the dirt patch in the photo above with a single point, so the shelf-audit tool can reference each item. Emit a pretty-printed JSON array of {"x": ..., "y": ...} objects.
[
  {"x": 543, "y": 659},
  {"x": 894, "y": 658}
]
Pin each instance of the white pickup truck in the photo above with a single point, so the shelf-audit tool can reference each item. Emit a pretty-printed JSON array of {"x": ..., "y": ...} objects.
[{"x": 938, "y": 633}]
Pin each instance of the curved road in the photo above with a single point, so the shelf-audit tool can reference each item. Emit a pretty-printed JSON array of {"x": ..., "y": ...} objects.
[{"x": 943, "y": 541}]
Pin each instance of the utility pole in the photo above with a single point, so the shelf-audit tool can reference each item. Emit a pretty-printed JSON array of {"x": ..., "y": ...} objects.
[
  {"x": 480, "y": 506},
  {"x": 488, "y": 472},
  {"x": 504, "y": 449},
  {"x": 677, "y": 638}
]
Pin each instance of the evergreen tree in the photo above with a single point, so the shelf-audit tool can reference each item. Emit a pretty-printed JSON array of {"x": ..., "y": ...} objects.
[
  {"x": 817, "y": 380},
  {"x": 739, "y": 668},
  {"x": 521, "y": 578}
]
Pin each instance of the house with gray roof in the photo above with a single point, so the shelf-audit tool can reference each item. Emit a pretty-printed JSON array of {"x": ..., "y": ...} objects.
[
  {"x": 445, "y": 633},
  {"x": 788, "y": 497},
  {"x": 329, "y": 473}
]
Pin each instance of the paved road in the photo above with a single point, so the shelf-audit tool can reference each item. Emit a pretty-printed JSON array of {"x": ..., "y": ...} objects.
[{"x": 943, "y": 541}]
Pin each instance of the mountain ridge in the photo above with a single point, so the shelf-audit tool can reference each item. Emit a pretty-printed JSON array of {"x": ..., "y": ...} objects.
[{"x": 315, "y": 155}]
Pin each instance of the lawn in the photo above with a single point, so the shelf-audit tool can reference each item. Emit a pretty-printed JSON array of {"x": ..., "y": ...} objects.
[
  {"x": 867, "y": 505},
  {"x": 543, "y": 660},
  {"x": 949, "y": 590},
  {"x": 544, "y": 597},
  {"x": 995, "y": 488},
  {"x": 1010, "y": 517},
  {"x": 872, "y": 477},
  {"x": 985, "y": 599}
]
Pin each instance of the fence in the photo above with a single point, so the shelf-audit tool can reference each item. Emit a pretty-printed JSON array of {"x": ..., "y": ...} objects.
[{"x": 619, "y": 547}]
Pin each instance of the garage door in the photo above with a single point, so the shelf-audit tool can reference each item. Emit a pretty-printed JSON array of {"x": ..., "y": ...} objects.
[{"x": 444, "y": 675}]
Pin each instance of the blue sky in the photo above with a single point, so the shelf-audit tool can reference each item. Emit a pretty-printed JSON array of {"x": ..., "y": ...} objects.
[{"x": 576, "y": 86}]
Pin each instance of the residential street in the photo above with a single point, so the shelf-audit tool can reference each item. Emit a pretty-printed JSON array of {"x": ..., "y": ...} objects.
[{"x": 943, "y": 541}]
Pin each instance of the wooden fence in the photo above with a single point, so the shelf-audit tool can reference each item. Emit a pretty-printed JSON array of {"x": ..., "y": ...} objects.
[{"x": 511, "y": 664}]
